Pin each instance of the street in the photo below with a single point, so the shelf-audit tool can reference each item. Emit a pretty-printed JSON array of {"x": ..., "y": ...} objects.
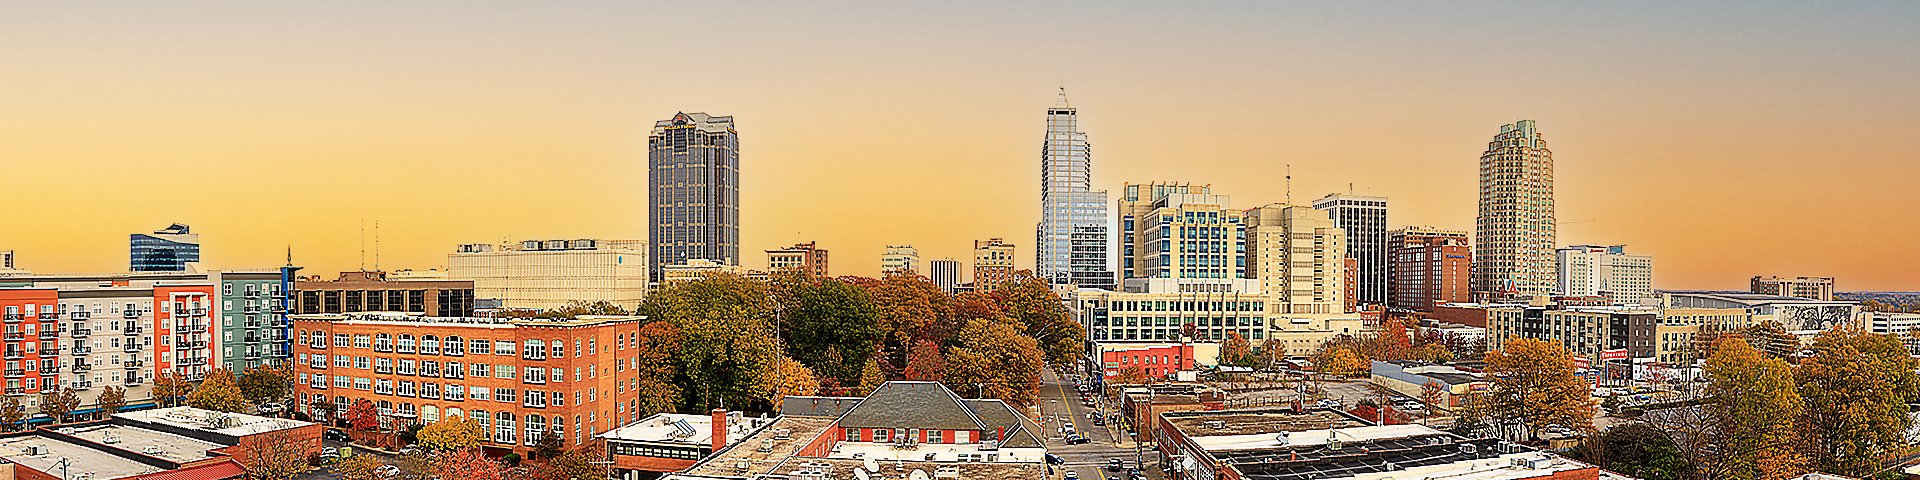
[{"x": 1060, "y": 405}]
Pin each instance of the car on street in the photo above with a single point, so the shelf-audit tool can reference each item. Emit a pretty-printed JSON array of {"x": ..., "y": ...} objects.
[
  {"x": 1076, "y": 439},
  {"x": 1115, "y": 464},
  {"x": 271, "y": 408},
  {"x": 1099, "y": 421},
  {"x": 1072, "y": 475},
  {"x": 337, "y": 435},
  {"x": 1326, "y": 403},
  {"x": 1055, "y": 459},
  {"x": 329, "y": 452}
]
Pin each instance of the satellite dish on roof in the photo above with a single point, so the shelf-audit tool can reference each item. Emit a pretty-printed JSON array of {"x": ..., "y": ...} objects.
[
  {"x": 872, "y": 467},
  {"x": 859, "y": 474},
  {"x": 918, "y": 474}
]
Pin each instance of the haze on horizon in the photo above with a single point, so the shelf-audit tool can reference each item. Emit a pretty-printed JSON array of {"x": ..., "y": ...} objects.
[{"x": 1725, "y": 139}]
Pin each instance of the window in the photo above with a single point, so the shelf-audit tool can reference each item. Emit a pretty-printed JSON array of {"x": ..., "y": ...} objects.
[
  {"x": 430, "y": 390},
  {"x": 454, "y": 346},
  {"x": 429, "y": 344},
  {"x": 428, "y": 368},
  {"x": 503, "y": 347},
  {"x": 361, "y": 341},
  {"x": 406, "y": 367},
  {"x": 480, "y": 347},
  {"x": 383, "y": 386},
  {"x": 478, "y": 370},
  {"x": 503, "y": 395},
  {"x": 535, "y": 399},
  {"x": 429, "y": 413},
  {"x": 455, "y": 393},
  {"x": 853, "y": 434},
  {"x": 454, "y": 370},
  {"x": 503, "y": 423},
  {"x": 535, "y": 375},
  {"x": 936, "y": 436},
  {"x": 880, "y": 435},
  {"x": 503, "y": 371},
  {"x": 343, "y": 361},
  {"x": 485, "y": 420},
  {"x": 340, "y": 340},
  {"x": 406, "y": 389},
  {"x": 480, "y": 393},
  {"x": 559, "y": 348},
  {"x": 559, "y": 398},
  {"x": 405, "y": 343},
  {"x": 536, "y": 426},
  {"x": 362, "y": 383},
  {"x": 535, "y": 350}
]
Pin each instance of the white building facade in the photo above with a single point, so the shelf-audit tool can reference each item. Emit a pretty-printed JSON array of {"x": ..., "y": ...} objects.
[
  {"x": 545, "y": 274},
  {"x": 1604, "y": 271}
]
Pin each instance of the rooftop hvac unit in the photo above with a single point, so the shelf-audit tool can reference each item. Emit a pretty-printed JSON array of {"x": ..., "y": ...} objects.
[
  {"x": 743, "y": 465},
  {"x": 766, "y": 445},
  {"x": 1467, "y": 448},
  {"x": 782, "y": 434},
  {"x": 1216, "y": 424},
  {"x": 1533, "y": 463},
  {"x": 110, "y": 438},
  {"x": 947, "y": 472},
  {"x": 36, "y": 450}
]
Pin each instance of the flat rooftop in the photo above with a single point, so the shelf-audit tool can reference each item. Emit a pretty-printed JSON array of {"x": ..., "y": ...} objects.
[
  {"x": 81, "y": 459},
  {"x": 152, "y": 443},
  {"x": 744, "y": 458},
  {"x": 416, "y": 319},
  {"x": 843, "y": 468},
  {"x": 235, "y": 424},
  {"x": 1197, "y": 425},
  {"x": 660, "y": 428}
]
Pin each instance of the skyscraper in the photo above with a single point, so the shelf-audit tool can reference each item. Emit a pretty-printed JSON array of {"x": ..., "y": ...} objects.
[
  {"x": 1299, "y": 256},
  {"x": 901, "y": 259},
  {"x": 1515, "y": 227},
  {"x": 1179, "y": 230},
  {"x": 944, "y": 272},
  {"x": 1070, "y": 242},
  {"x": 693, "y": 189},
  {"x": 166, "y": 250},
  {"x": 1365, "y": 219},
  {"x": 1428, "y": 266}
]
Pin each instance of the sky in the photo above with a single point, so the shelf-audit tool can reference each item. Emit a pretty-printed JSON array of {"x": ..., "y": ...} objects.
[{"x": 1725, "y": 139}]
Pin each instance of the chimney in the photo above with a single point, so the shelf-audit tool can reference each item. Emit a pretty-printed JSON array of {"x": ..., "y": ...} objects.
[{"x": 719, "y": 429}]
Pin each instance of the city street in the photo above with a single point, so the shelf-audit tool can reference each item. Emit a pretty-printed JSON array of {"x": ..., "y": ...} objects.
[{"x": 1060, "y": 405}]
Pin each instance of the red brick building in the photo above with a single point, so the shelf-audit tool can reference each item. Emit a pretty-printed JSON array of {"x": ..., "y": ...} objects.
[
  {"x": 517, "y": 378},
  {"x": 1427, "y": 267}
]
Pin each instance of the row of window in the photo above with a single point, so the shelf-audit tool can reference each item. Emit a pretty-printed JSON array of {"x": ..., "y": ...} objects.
[
  {"x": 450, "y": 392},
  {"x": 431, "y": 368}
]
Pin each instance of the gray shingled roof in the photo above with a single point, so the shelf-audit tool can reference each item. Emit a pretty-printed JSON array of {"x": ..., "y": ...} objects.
[
  {"x": 995, "y": 414},
  {"x": 817, "y": 406},
  {"x": 912, "y": 405}
]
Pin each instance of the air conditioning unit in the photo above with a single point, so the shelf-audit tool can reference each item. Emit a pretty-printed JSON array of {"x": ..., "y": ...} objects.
[{"x": 36, "y": 450}]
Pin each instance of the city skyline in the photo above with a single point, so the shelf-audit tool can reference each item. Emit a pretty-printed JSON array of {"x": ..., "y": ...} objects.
[{"x": 1664, "y": 142}]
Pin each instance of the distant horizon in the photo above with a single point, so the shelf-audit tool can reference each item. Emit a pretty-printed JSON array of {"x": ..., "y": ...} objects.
[{"x": 1724, "y": 140}]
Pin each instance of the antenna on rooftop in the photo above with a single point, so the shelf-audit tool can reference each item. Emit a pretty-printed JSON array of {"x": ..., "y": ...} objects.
[
  {"x": 1289, "y": 184},
  {"x": 363, "y": 243},
  {"x": 376, "y": 244}
]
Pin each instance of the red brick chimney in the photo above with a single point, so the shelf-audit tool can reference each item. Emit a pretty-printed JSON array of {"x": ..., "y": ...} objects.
[{"x": 719, "y": 429}]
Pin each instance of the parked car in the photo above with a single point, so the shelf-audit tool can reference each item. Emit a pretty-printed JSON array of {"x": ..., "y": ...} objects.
[
  {"x": 1099, "y": 421},
  {"x": 1326, "y": 403},
  {"x": 1076, "y": 439},
  {"x": 1072, "y": 475},
  {"x": 272, "y": 408},
  {"x": 1055, "y": 459},
  {"x": 337, "y": 435},
  {"x": 329, "y": 452}
]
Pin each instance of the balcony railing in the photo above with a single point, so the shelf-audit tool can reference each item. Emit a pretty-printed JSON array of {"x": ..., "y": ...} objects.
[
  {"x": 49, "y": 316},
  {"x": 197, "y": 312},
  {"x": 49, "y": 334},
  {"x": 250, "y": 339},
  {"x": 193, "y": 345},
  {"x": 132, "y": 330},
  {"x": 82, "y": 350},
  {"x": 132, "y": 347},
  {"x": 88, "y": 385},
  {"x": 133, "y": 381},
  {"x": 380, "y": 369},
  {"x": 132, "y": 364},
  {"x": 253, "y": 355},
  {"x": 15, "y": 317},
  {"x": 16, "y": 391},
  {"x": 253, "y": 294},
  {"x": 195, "y": 328},
  {"x": 251, "y": 324},
  {"x": 250, "y": 309},
  {"x": 196, "y": 376},
  {"x": 15, "y": 354},
  {"x": 80, "y": 332},
  {"x": 11, "y": 336},
  {"x": 82, "y": 367},
  {"x": 79, "y": 315},
  {"x": 45, "y": 371},
  {"x": 278, "y": 352},
  {"x": 16, "y": 372},
  {"x": 130, "y": 314},
  {"x": 279, "y": 309}
]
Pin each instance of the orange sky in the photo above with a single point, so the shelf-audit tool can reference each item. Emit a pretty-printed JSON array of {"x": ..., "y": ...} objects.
[{"x": 1726, "y": 140}]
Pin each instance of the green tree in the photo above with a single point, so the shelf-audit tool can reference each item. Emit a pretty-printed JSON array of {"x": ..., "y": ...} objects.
[
  {"x": 1534, "y": 386},
  {"x": 1236, "y": 351},
  {"x": 1856, "y": 388},
  {"x": 266, "y": 383},
  {"x": 579, "y": 308},
  {"x": 655, "y": 368},
  {"x": 1752, "y": 407},
  {"x": 993, "y": 360},
  {"x": 727, "y": 350},
  {"x": 831, "y": 326},
  {"x": 218, "y": 392},
  {"x": 550, "y": 444},
  {"x": 1637, "y": 449},
  {"x": 1045, "y": 318}
]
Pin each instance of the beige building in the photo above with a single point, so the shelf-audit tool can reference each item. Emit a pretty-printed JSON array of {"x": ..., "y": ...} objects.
[
  {"x": 690, "y": 270},
  {"x": 992, "y": 263},
  {"x": 545, "y": 274},
  {"x": 900, "y": 259},
  {"x": 1158, "y": 316},
  {"x": 1679, "y": 326},
  {"x": 806, "y": 257},
  {"x": 1178, "y": 230},
  {"x": 1813, "y": 288},
  {"x": 1299, "y": 256},
  {"x": 1604, "y": 271}
]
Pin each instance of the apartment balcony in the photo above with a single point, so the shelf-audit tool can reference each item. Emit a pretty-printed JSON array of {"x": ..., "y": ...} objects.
[
  {"x": 82, "y": 367},
  {"x": 130, "y": 314},
  {"x": 193, "y": 345},
  {"x": 12, "y": 336},
  {"x": 253, "y": 355},
  {"x": 133, "y": 364},
  {"x": 49, "y": 316},
  {"x": 197, "y": 312},
  {"x": 195, "y": 328},
  {"x": 80, "y": 332},
  {"x": 15, "y": 317},
  {"x": 133, "y": 381},
  {"x": 131, "y": 348},
  {"x": 277, "y": 352},
  {"x": 196, "y": 376},
  {"x": 79, "y": 315},
  {"x": 15, "y": 354},
  {"x": 46, "y": 371},
  {"x": 132, "y": 330},
  {"x": 250, "y": 309},
  {"x": 82, "y": 350},
  {"x": 16, "y": 372},
  {"x": 83, "y": 385},
  {"x": 250, "y": 339},
  {"x": 279, "y": 309},
  {"x": 253, "y": 294},
  {"x": 16, "y": 391},
  {"x": 50, "y": 334}
]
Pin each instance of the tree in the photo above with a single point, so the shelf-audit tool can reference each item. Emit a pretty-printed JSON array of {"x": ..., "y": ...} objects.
[
  {"x": 168, "y": 388},
  {"x": 323, "y": 408},
  {"x": 1236, "y": 351},
  {"x": 1533, "y": 386},
  {"x": 726, "y": 346},
  {"x": 1773, "y": 339},
  {"x": 1752, "y": 407},
  {"x": 791, "y": 378},
  {"x": 909, "y": 309},
  {"x": 218, "y": 392},
  {"x": 550, "y": 444},
  {"x": 1271, "y": 356},
  {"x": 1637, "y": 449},
  {"x": 1391, "y": 343},
  {"x": 925, "y": 362},
  {"x": 111, "y": 400},
  {"x": 871, "y": 376},
  {"x": 358, "y": 467},
  {"x": 467, "y": 464},
  {"x": 414, "y": 465},
  {"x": 1433, "y": 353},
  {"x": 59, "y": 403},
  {"x": 1340, "y": 361},
  {"x": 581, "y": 463},
  {"x": 362, "y": 416},
  {"x": 579, "y": 308},
  {"x": 655, "y": 370},
  {"x": 266, "y": 383},
  {"x": 1431, "y": 393},
  {"x": 454, "y": 432},
  {"x": 11, "y": 413},
  {"x": 1131, "y": 374},
  {"x": 1045, "y": 318},
  {"x": 275, "y": 455},
  {"x": 831, "y": 326},
  {"x": 994, "y": 360},
  {"x": 1856, "y": 387}
]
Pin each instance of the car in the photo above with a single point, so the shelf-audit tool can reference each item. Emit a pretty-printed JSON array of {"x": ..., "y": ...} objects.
[
  {"x": 1326, "y": 403},
  {"x": 1099, "y": 421},
  {"x": 387, "y": 470},
  {"x": 271, "y": 408},
  {"x": 1076, "y": 439},
  {"x": 1115, "y": 464},
  {"x": 1055, "y": 459},
  {"x": 337, "y": 435},
  {"x": 409, "y": 450},
  {"x": 329, "y": 452},
  {"x": 1072, "y": 475}
]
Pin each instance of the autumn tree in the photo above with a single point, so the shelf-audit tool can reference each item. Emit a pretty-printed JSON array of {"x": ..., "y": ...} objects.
[
  {"x": 218, "y": 392},
  {"x": 727, "y": 347},
  {"x": 579, "y": 308},
  {"x": 1534, "y": 386},
  {"x": 11, "y": 413},
  {"x": 455, "y": 432},
  {"x": 1031, "y": 302},
  {"x": 549, "y": 445},
  {"x": 59, "y": 403},
  {"x": 413, "y": 465},
  {"x": 655, "y": 370},
  {"x": 1131, "y": 374},
  {"x": 362, "y": 416},
  {"x": 1236, "y": 351},
  {"x": 1432, "y": 393},
  {"x": 790, "y": 378},
  {"x": 925, "y": 362},
  {"x": 1434, "y": 353},
  {"x": 1856, "y": 387},
  {"x": 169, "y": 387},
  {"x": 275, "y": 455},
  {"x": 831, "y": 326},
  {"x": 1271, "y": 355},
  {"x": 358, "y": 467},
  {"x": 1340, "y": 360},
  {"x": 910, "y": 309},
  {"x": 580, "y": 463},
  {"x": 992, "y": 359},
  {"x": 322, "y": 407},
  {"x": 871, "y": 376},
  {"x": 467, "y": 464},
  {"x": 1390, "y": 343},
  {"x": 1752, "y": 407},
  {"x": 266, "y": 383},
  {"x": 111, "y": 400}
]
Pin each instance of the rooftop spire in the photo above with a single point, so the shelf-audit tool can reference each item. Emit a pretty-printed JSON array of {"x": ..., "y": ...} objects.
[{"x": 1063, "y": 98}]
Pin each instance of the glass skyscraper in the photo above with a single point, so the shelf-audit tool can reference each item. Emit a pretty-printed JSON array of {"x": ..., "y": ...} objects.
[
  {"x": 1070, "y": 242},
  {"x": 693, "y": 191},
  {"x": 166, "y": 250},
  {"x": 1515, "y": 228}
]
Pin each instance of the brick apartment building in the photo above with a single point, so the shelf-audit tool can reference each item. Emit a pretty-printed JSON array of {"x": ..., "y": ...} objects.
[
  {"x": 373, "y": 292},
  {"x": 517, "y": 378}
]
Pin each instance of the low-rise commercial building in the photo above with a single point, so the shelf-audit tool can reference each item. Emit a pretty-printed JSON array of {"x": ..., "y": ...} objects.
[
  {"x": 670, "y": 442},
  {"x": 1411, "y": 378},
  {"x": 169, "y": 443},
  {"x": 803, "y": 257},
  {"x": 1159, "y": 315},
  {"x": 547, "y": 274},
  {"x": 1800, "y": 316},
  {"x": 992, "y": 264},
  {"x": 519, "y": 379},
  {"x": 1287, "y": 445}
]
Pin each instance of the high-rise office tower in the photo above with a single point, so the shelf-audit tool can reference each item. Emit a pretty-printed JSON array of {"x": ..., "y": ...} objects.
[
  {"x": 992, "y": 264},
  {"x": 1070, "y": 242},
  {"x": 1365, "y": 220},
  {"x": 693, "y": 190},
  {"x": 1428, "y": 266},
  {"x": 900, "y": 258},
  {"x": 944, "y": 272},
  {"x": 805, "y": 257},
  {"x": 1604, "y": 271},
  {"x": 1299, "y": 256},
  {"x": 1515, "y": 227},
  {"x": 1179, "y": 230},
  {"x": 166, "y": 250}
]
